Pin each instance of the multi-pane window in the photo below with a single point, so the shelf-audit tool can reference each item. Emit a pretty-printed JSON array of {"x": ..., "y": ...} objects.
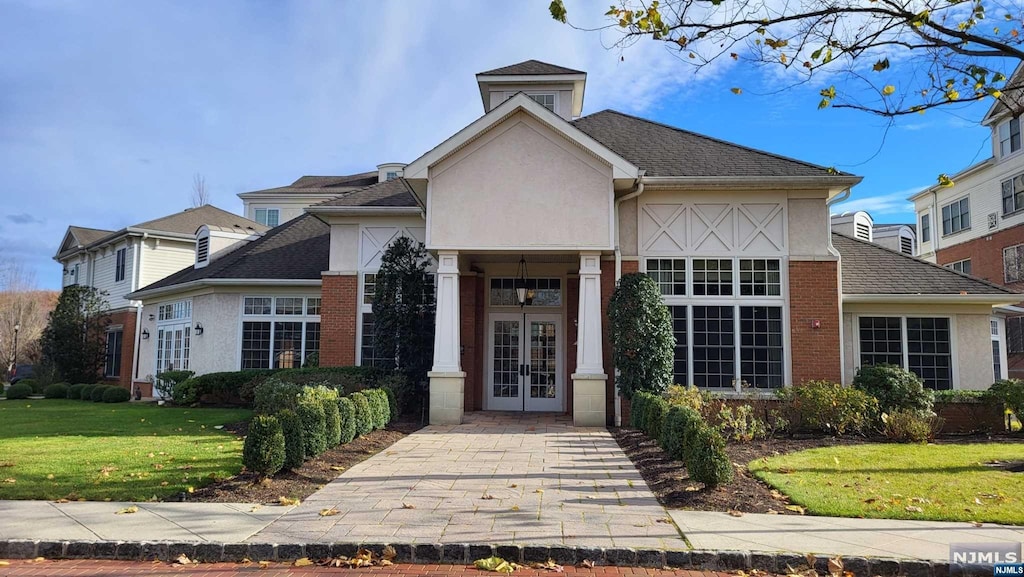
[
  {"x": 545, "y": 100},
  {"x": 760, "y": 277},
  {"x": 369, "y": 287},
  {"x": 963, "y": 266},
  {"x": 540, "y": 292},
  {"x": 956, "y": 216},
  {"x": 119, "y": 265},
  {"x": 680, "y": 370},
  {"x": 761, "y": 346},
  {"x": 1009, "y": 137},
  {"x": 922, "y": 345},
  {"x": 881, "y": 341},
  {"x": 712, "y": 277},
  {"x": 714, "y": 350},
  {"x": 926, "y": 228},
  {"x": 285, "y": 333},
  {"x": 1013, "y": 194},
  {"x": 928, "y": 351},
  {"x": 1013, "y": 263},
  {"x": 669, "y": 273},
  {"x": 369, "y": 357},
  {"x": 112, "y": 362},
  {"x": 1015, "y": 334},
  {"x": 997, "y": 360},
  {"x": 175, "y": 311},
  {"x": 268, "y": 216}
]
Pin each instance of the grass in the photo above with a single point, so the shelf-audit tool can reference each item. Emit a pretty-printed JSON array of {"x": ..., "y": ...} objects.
[
  {"x": 887, "y": 481},
  {"x": 53, "y": 449}
]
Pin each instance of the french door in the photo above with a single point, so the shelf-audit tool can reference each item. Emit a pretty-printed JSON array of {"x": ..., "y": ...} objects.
[
  {"x": 525, "y": 362},
  {"x": 172, "y": 347}
]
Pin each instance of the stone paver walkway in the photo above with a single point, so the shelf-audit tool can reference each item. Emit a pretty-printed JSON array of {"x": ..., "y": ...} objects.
[
  {"x": 498, "y": 478},
  {"x": 928, "y": 540}
]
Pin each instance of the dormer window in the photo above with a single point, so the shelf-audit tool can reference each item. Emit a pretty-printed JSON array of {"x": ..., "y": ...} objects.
[
  {"x": 391, "y": 175},
  {"x": 545, "y": 100},
  {"x": 268, "y": 216},
  {"x": 1009, "y": 137}
]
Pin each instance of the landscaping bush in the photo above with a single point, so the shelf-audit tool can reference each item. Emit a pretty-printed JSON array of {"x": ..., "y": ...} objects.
[
  {"x": 656, "y": 409},
  {"x": 378, "y": 400},
  {"x": 19, "y": 391},
  {"x": 677, "y": 421},
  {"x": 347, "y": 410},
  {"x": 332, "y": 421},
  {"x": 963, "y": 396},
  {"x": 56, "y": 391},
  {"x": 294, "y": 445},
  {"x": 264, "y": 450},
  {"x": 33, "y": 385},
  {"x": 400, "y": 392},
  {"x": 828, "y": 407},
  {"x": 345, "y": 379},
  {"x": 314, "y": 427},
  {"x": 97, "y": 393},
  {"x": 678, "y": 395},
  {"x": 392, "y": 404},
  {"x": 640, "y": 327},
  {"x": 272, "y": 395},
  {"x": 168, "y": 381},
  {"x": 707, "y": 460},
  {"x": 116, "y": 395},
  {"x": 904, "y": 426},
  {"x": 86, "y": 392},
  {"x": 739, "y": 423},
  {"x": 75, "y": 391},
  {"x": 225, "y": 388},
  {"x": 363, "y": 415},
  {"x": 895, "y": 388},
  {"x": 638, "y": 406},
  {"x": 1011, "y": 393}
]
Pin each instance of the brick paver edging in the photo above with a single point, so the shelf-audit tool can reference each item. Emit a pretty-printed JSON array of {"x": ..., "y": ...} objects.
[{"x": 466, "y": 553}]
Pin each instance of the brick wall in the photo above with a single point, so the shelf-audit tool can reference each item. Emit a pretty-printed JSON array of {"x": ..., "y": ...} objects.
[
  {"x": 986, "y": 254},
  {"x": 467, "y": 338},
  {"x": 127, "y": 321},
  {"x": 607, "y": 288},
  {"x": 814, "y": 296},
  {"x": 338, "y": 320}
]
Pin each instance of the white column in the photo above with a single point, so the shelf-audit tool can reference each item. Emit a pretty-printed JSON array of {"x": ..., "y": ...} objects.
[
  {"x": 588, "y": 382},
  {"x": 447, "y": 381}
]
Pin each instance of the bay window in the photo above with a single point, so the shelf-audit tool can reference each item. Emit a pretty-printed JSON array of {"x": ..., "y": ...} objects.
[{"x": 280, "y": 332}]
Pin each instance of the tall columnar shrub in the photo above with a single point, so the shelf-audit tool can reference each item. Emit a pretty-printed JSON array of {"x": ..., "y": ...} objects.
[
  {"x": 403, "y": 308},
  {"x": 348, "y": 419},
  {"x": 333, "y": 422},
  {"x": 264, "y": 450},
  {"x": 895, "y": 388},
  {"x": 314, "y": 427},
  {"x": 378, "y": 400},
  {"x": 638, "y": 409},
  {"x": 656, "y": 410},
  {"x": 75, "y": 336},
  {"x": 294, "y": 444},
  {"x": 641, "y": 334},
  {"x": 677, "y": 421},
  {"x": 363, "y": 415},
  {"x": 708, "y": 461}
]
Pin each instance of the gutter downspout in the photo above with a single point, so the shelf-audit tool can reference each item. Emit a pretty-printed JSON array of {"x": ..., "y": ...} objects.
[
  {"x": 638, "y": 189},
  {"x": 843, "y": 196}
]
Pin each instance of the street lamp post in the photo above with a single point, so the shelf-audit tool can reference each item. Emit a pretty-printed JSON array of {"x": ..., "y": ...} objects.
[{"x": 17, "y": 328}]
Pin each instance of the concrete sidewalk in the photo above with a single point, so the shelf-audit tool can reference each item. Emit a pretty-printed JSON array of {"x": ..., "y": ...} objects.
[
  {"x": 100, "y": 521},
  {"x": 926, "y": 540}
]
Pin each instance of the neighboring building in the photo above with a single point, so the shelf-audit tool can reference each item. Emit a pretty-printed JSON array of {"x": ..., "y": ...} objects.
[
  {"x": 120, "y": 262},
  {"x": 976, "y": 226},
  {"x": 738, "y": 240},
  {"x": 901, "y": 238}
]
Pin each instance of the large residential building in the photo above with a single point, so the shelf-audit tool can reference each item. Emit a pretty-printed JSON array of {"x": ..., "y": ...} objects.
[
  {"x": 763, "y": 294},
  {"x": 120, "y": 262}
]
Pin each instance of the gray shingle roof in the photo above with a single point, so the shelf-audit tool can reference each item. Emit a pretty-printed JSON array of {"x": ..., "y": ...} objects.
[
  {"x": 872, "y": 269},
  {"x": 86, "y": 236},
  {"x": 664, "y": 150},
  {"x": 325, "y": 184},
  {"x": 298, "y": 249},
  {"x": 190, "y": 219},
  {"x": 394, "y": 193},
  {"x": 530, "y": 68}
]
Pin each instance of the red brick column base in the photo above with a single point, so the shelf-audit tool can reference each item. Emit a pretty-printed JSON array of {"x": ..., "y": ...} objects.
[
  {"x": 338, "y": 309},
  {"x": 814, "y": 320}
]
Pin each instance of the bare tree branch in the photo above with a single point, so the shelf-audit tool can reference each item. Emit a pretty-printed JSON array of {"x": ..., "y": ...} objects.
[{"x": 200, "y": 195}]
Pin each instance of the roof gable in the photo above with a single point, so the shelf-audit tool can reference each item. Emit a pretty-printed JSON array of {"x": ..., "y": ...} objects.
[
  {"x": 390, "y": 193},
  {"x": 530, "y": 68},
  {"x": 321, "y": 184},
  {"x": 189, "y": 220},
  {"x": 79, "y": 237}
]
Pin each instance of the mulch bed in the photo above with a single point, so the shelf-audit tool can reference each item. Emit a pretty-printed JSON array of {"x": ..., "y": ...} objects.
[
  {"x": 668, "y": 480},
  {"x": 306, "y": 480}
]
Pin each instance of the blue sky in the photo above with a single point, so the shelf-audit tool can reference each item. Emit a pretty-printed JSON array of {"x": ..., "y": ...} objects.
[{"x": 107, "y": 109}]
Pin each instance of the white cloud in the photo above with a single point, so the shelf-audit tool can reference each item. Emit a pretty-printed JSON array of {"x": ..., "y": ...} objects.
[{"x": 892, "y": 203}]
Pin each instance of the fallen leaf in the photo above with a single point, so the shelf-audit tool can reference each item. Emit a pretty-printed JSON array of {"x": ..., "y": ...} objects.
[
  {"x": 735, "y": 513},
  {"x": 549, "y": 565},
  {"x": 128, "y": 510},
  {"x": 912, "y": 509},
  {"x": 329, "y": 512},
  {"x": 487, "y": 497},
  {"x": 539, "y": 491},
  {"x": 286, "y": 502},
  {"x": 771, "y": 512},
  {"x": 408, "y": 506},
  {"x": 513, "y": 485},
  {"x": 10, "y": 481},
  {"x": 664, "y": 520},
  {"x": 977, "y": 523},
  {"x": 303, "y": 562},
  {"x": 496, "y": 564},
  {"x": 515, "y": 507},
  {"x": 691, "y": 488},
  {"x": 587, "y": 563},
  {"x": 4, "y": 563},
  {"x": 264, "y": 564},
  {"x": 835, "y": 566},
  {"x": 184, "y": 560},
  {"x": 337, "y": 468},
  {"x": 977, "y": 501},
  {"x": 388, "y": 553},
  {"x": 796, "y": 509}
]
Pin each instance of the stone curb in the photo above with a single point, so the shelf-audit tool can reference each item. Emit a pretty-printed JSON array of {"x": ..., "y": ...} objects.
[{"x": 466, "y": 553}]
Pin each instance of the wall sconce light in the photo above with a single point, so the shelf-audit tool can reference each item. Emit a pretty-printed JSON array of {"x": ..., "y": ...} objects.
[
  {"x": 145, "y": 334},
  {"x": 152, "y": 317},
  {"x": 199, "y": 329}
]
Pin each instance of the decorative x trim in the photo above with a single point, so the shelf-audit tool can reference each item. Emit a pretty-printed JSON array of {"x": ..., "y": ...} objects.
[
  {"x": 760, "y": 227},
  {"x": 663, "y": 227}
]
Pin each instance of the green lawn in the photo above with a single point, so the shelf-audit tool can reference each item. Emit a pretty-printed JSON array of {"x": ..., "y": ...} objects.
[
  {"x": 935, "y": 482},
  {"x": 53, "y": 449}
]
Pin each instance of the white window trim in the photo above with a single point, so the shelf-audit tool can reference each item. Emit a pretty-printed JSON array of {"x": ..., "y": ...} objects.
[
  {"x": 999, "y": 140},
  {"x": 951, "y": 265},
  {"x": 954, "y": 348},
  {"x": 1020, "y": 276},
  {"x": 268, "y": 209},
  {"x": 970, "y": 211},
  {"x": 363, "y": 309},
  {"x": 272, "y": 318},
  {"x": 552, "y": 93},
  {"x": 688, "y": 300},
  {"x": 931, "y": 229},
  {"x": 118, "y": 268},
  {"x": 1004, "y": 368}
]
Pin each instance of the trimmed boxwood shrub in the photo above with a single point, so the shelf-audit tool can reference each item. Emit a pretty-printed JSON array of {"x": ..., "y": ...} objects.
[
  {"x": 314, "y": 427},
  {"x": 19, "y": 391},
  {"x": 895, "y": 388},
  {"x": 86, "y": 393},
  {"x": 272, "y": 395},
  {"x": 332, "y": 420},
  {"x": 400, "y": 392},
  {"x": 379, "y": 411},
  {"x": 347, "y": 410},
  {"x": 707, "y": 460},
  {"x": 656, "y": 409},
  {"x": 97, "y": 394},
  {"x": 56, "y": 391},
  {"x": 392, "y": 403},
  {"x": 640, "y": 327},
  {"x": 32, "y": 385},
  {"x": 638, "y": 409},
  {"x": 363, "y": 414},
  {"x": 673, "y": 430},
  {"x": 294, "y": 446},
  {"x": 264, "y": 449},
  {"x": 828, "y": 407},
  {"x": 116, "y": 395},
  {"x": 75, "y": 391}
]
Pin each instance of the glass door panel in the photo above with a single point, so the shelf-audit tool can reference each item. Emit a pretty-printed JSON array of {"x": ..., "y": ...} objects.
[
  {"x": 544, "y": 374},
  {"x": 504, "y": 386}
]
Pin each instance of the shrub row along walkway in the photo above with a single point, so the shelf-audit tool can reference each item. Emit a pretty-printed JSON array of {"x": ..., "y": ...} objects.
[{"x": 498, "y": 478}]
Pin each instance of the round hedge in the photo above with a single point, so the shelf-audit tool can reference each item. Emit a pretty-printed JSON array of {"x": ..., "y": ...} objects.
[
  {"x": 97, "y": 394},
  {"x": 294, "y": 446},
  {"x": 75, "y": 391},
  {"x": 31, "y": 384},
  {"x": 56, "y": 391},
  {"x": 264, "y": 450},
  {"x": 86, "y": 392},
  {"x": 19, "y": 391},
  {"x": 116, "y": 395}
]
